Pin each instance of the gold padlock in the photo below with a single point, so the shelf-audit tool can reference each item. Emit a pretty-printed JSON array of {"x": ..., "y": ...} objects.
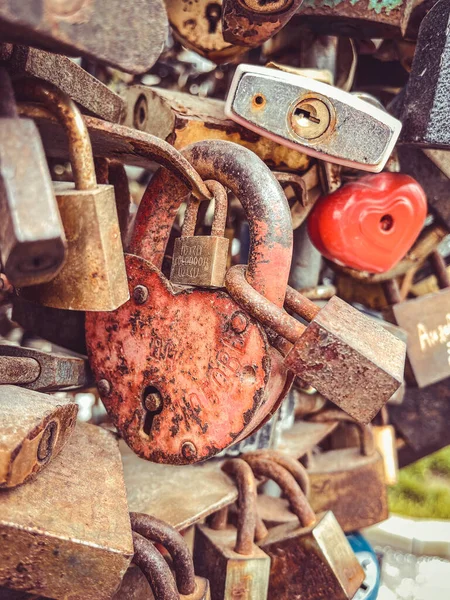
[
  {"x": 93, "y": 277},
  {"x": 385, "y": 443},
  {"x": 201, "y": 260}
]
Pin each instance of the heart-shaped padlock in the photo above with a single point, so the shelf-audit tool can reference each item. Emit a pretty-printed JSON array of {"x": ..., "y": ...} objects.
[
  {"x": 369, "y": 224},
  {"x": 185, "y": 372}
]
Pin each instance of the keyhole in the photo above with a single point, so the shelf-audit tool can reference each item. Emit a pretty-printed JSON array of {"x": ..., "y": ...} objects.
[
  {"x": 213, "y": 13},
  {"x": 386, "y": 223},
  {"x": 306, "y": 116},
  {"x": 153, "y": 405}
]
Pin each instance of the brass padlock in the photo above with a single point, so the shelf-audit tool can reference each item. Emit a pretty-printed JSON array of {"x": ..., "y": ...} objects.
[
  {"x": 348, "y": 358},
  {"x": 310, "y": 558},
  {"x": 351, "y": 481},
  {"x": 426, "y": 320},
  {"x": 34, "y": 429},
  {"x": 157, "y": 531},
  {"x": 32, "y": 240},
  {"x": 228, "y": 557},
  {"x": 93, "y": 277},
  {"x": 385, "y": 443},
  {"x": 201, "y": 260},
  {"x": 67, "y": 533}
]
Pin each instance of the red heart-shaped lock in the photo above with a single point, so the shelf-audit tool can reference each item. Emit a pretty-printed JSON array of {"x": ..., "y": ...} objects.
[{"x": 369, "y": 224}]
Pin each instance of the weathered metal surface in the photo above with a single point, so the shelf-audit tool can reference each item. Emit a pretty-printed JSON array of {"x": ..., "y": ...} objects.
[
  {"x": 155, "y": 568},
  {"x": 357, "y": 19},
  {"x": 64, "y": 328},
  {"x": 67, "y": 533},
  {"x": 252, "y": 22},
  {"x": 162, "y": 533},
  {"x": 18, "y": 370},
  {"x": 227, "y": 556},
  {"x": 303, "y": 436},
  {"x": 110, "y": 140},
  {"x": 311, "y": 557},
  {"x": 93, "y": 276},
  {"x": 359, "y": 372},
  {"x": 183, "y": 119},
  {"x": 198, "y": 26},
  {"x": 201, "y": 261},
  {"x": 235, "y": 367},
  {"x": 426, "y": 102},
  {"x": 89, "y": 93},
  {"x": 422, "y": 421},
  {"x": 34, "y": 429},
  {"x": 155, "y": 489},
  {"x": 54, "y": 371},
  {"x": 32, "y": 241},
  {"x": 127, "y": 36},
  {"x": 290, "y": 464}
]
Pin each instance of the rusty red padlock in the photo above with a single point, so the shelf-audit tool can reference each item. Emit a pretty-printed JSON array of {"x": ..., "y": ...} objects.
[
  {"x": 185, "y": 372},
  {"x": 369, "y": 224}
]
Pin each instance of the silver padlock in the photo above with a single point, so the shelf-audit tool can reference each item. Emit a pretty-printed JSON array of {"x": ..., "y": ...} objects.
[{"x": 312, "y": 117}]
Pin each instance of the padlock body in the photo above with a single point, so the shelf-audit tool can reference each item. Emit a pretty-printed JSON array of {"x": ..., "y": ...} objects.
[
  {"x": 200, "y": 261},
  {"x": 211, "y": 364},
  {"x": 67, "y": 533},
  {"x": 344, "y": 479},
  {"x": 426, "y": 319},
  {"x": 32, "y": 240},
  {"x": 231, "y": 575},
  {"x": 349, "y": 359},
  {"x": 94, "y": 275},
  {"x": 385, "y": 443},
  {"x": 311, "y": 562}
]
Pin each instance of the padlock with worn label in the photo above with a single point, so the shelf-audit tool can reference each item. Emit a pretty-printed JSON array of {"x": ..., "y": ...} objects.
[
  {"x": 349, "y": 359},
  {"x": 32, "y": 240},
  {"x": 228, "y": 556},
  {"x": 426, "y": 320},
  {"x": 201, "y": 260},
  {"x": 34, "y": 428},
  {"x": 311, "y": 557},
  {"x": 311, "y": 116},
  {"x": 184, "y": 373},
  {"x": 349, "y": 477},
  {"x": 94, "y": 276}
]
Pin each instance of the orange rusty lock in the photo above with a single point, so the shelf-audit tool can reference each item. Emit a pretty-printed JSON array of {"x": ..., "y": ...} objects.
[{"x": 186, "y": 372}]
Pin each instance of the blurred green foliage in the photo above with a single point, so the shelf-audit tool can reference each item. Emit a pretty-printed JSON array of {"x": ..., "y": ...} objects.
[{"x": 423, "y": 489}]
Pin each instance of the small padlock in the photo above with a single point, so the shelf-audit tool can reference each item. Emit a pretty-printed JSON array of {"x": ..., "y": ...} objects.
[
  {"x": 369, "y": 224},
  {"x": 93, "y": 277},
  {"x": 313, "y": 117},
  {"x": 201, "y": 260},
  {"x": 34, "y": 429},
  {"x": 227, "y": 556},
  {"x": 189, "y": 585},
  {"x": 350, "y": 481},
  {"x": 385, "y": 443},
  {"x": 66, "y": 533},
  {"x": 32, "y": 240},
  {"x": 311, "y": 559},
  {"x": 426, "y": 320},
  {"x": 349, "y": 359}
]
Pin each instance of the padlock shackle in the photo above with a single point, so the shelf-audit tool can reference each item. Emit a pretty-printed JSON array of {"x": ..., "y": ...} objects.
[
  {"x": 262, "y": 467},
  {"x": 68, "y": 114},
  {"x": 262, "y": 197},
  {"x": 366, "y": 439},
  {"x": 155, "y": 569},
  {"x": 159, "y": 532},
  {"x": 295, "y": 467},
  {"x": 8, "y": 106},
  {"x": 220, "y": 211},
  {"x": 239, "y": 470}
]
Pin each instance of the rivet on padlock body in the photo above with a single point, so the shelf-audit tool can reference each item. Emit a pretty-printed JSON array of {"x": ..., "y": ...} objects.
[
  {"x": 310, "y": 558},
  {"x": 201, "y": 260},
  {"x": 311, "y": 116},
  {"x": 343, "y": 479},
  {"x": 208, "y": 362},
  {"x": 349, "y": 359},
  {"x": 32, "y": 240},
  {"x": 426, "y": 319},
  {"x": 228, "y": 557},
  {"x": 94, "y": 276}
]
